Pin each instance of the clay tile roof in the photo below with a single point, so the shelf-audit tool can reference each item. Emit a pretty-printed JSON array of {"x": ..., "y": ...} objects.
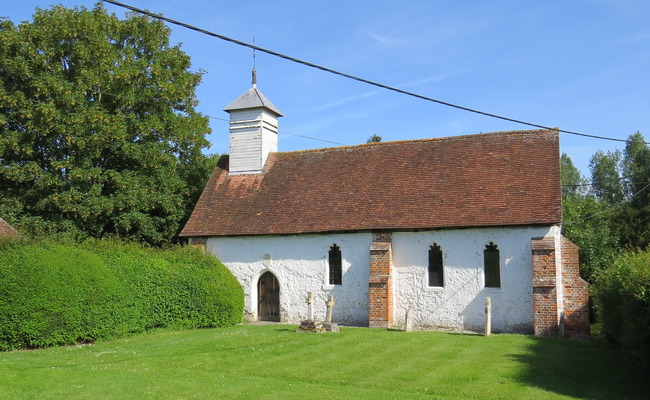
[{"x": 494, "y": 179}]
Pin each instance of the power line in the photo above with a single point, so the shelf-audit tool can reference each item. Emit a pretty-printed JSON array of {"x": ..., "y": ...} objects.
[
  {"x": 369, "y": 82},
  {"x": 555, "y": 210},
  {"x": 287, "y": 133},
  {"x": 610, "y": 180},
  {"x": 608, "y": 209},
  {"x": 223, "y": 119}
]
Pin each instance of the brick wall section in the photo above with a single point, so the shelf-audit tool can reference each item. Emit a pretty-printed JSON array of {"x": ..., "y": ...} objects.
[
  {"x": 545, "y": 318},
  {"x": 574, "y": 300},
  {"x": 7, "y": 230},
  {"x": 380, "y": 285},
  {"x": 576, "y": 293}
]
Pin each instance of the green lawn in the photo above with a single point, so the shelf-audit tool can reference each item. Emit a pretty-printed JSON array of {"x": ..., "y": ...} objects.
[{"x": 275, "y": 362}]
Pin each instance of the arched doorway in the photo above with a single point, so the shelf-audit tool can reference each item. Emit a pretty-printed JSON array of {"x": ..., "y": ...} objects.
[{"x": 268, "y": 298}]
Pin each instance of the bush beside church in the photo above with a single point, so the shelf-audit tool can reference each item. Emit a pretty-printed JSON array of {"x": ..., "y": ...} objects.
[{"x": 63, "y": 293}]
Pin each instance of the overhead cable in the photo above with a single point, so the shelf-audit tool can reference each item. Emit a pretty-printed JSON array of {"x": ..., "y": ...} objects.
[
  {"x": 369, "y": 82},
  {"x": 287, "y": 133},
  {"x": 611, "y": 208},
  {"x": 223, "y": 119}
]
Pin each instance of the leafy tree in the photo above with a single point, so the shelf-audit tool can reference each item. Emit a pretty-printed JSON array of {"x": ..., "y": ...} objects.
[
  {"x": 374, "y": 138},
  {"x": 623, "y": 180},
  {"x": 605, "y": 176},
  {"x": 572, "y": 181},
  {"x": 633, "y": 227},
  {"x": 634, "y": 219},
  {"x": 587, "y": 221},
  {"x": 98, "y": 130},
  {"x": 622, "y": 298},
  {"x": 636, "y": 171}
]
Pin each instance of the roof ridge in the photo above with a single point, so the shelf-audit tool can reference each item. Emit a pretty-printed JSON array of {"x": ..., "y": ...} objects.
[{"x": 420, "y": 140}]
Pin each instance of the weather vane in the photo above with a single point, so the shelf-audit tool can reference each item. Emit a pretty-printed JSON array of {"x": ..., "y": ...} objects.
[{"x": 254, "y": 65}]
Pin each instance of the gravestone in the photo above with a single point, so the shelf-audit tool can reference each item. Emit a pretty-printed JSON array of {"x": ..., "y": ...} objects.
[
  {"x": 330, "y": 305},
  {"x": 309, "y": 325},
  {"x": 328, "y": 324}
]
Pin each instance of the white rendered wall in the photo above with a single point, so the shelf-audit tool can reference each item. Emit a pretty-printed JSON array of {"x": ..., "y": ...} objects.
[
  {"x": 300, "y": 263},
  {"x": 460, "y": 304}
]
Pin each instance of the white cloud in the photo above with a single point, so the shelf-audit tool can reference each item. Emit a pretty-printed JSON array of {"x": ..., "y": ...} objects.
[
  {"x": 640, "y": 37},
  {"x": 344, "y": 100},
  {"x": 386, "y": 40},
  {"x": 434, "y": 78}
]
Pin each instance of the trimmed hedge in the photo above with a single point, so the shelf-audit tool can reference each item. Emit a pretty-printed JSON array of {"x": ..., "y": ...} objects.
[
  {"x": 64, "y": 293},
  {"x": 622, "y": 299}
]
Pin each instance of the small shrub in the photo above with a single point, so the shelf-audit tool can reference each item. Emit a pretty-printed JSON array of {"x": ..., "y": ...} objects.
[
  {"x": 622, "y": 297},
  {"x": 64, "y": 293}
]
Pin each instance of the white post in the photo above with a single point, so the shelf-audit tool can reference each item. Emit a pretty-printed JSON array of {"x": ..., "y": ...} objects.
[
  {"x": 408, "y": 325},
  {"x": 310, "y": 309},
  {"x": 488, "y": 316}
]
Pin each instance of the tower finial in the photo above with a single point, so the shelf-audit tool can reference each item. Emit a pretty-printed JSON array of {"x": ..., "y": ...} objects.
[{"x": 254, "y": 65}]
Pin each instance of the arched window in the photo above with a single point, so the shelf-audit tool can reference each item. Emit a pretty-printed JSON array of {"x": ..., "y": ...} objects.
[
  {"x": 491, "y": 270},
  {"x": 435, "y": 266},
  {"x": 336, "y": 271}
]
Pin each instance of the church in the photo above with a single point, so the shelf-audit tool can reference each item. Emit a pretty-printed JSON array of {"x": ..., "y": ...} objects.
[{"x": 434, "y": 226}]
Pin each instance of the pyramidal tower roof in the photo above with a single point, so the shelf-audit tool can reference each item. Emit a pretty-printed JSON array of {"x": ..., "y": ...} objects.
[{"x": 253, "y": 98}]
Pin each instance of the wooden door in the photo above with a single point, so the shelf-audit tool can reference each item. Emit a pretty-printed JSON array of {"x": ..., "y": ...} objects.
[{"x": 268, "y": 298}]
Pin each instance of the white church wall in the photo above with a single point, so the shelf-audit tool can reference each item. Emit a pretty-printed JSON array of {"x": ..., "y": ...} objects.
[
  {"x": 460, "y": 304},
  {"x": 300, "y": 263}
]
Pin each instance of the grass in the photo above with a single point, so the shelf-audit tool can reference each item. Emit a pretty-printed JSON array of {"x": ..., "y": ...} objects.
[{"x": 275, "y": 362}]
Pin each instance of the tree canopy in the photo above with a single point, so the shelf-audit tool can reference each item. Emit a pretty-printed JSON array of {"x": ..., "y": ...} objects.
[
  {"x": 374, "y": 138},
  {"x": 98, "y": 129},
  {"x": 613, "y": 212}
]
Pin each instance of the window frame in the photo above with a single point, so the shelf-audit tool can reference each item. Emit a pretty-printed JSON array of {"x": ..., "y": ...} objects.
[
  {"x": 334, "y": 266},
  {"x": 491, "y": 266},
  {"x": 435, "y": 267}
]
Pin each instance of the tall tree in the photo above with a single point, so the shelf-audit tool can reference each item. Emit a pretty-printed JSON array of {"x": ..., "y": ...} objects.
[
  {"x": 634, "y": 219},
  {"x": 586, "y": 221},
  {"x": 98, "y": 129},
  {"x": 572, "y": 181},
  {"x": 605, "y": 176},
  {"x": 623, "y": 180},
  {"x": 636, "y": 171}
]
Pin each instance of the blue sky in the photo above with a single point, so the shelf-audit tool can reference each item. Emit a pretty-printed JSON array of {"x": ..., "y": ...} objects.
[{"x": 581, "y": 65}]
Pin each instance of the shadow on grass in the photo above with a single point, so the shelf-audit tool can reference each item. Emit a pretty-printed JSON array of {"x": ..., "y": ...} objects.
[{"x": 582, "y": 369}]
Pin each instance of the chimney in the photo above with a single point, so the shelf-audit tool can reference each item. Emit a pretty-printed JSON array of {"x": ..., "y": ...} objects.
[{"x": 253, "y": 130}]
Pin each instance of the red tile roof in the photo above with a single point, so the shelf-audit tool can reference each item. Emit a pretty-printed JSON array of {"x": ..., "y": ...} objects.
[{"x": 494, "y": 179}]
